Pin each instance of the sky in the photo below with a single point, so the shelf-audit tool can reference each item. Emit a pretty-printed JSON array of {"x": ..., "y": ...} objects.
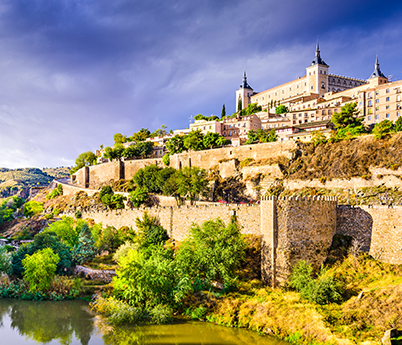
[{"x": 75, "y": 72}]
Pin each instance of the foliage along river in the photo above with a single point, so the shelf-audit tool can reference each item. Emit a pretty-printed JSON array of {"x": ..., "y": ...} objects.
[{"x": 73, "y": 323}]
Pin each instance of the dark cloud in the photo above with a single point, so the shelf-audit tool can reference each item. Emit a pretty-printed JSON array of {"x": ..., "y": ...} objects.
[{"x": 73, "y": 72}]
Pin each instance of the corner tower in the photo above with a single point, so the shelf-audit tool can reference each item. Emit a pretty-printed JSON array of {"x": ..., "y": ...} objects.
[
  {"x": 317, "y": 75},
  {"x": 243, "y": 94},
  {"x": 377, "y": 77}
]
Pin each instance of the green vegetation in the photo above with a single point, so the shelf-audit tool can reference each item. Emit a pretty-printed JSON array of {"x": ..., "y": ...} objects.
[
  {"x": 8, "y": 208},
  {"x": 110, "y": 199},
  {"x": 139, "y": 150},
  {"x": 55, "y": 192},
  {"x": 281, "y": 109},
  {"x": 84, "y": 159},
  {"x": 139, "y": 196},
  {"x": 32, "y": 207},
  {"x": 152, "y": 282},
  {"x": 195, "y": 141},
  {"x": 40, "y": 269},
  {"x": 261, "y": 136}
]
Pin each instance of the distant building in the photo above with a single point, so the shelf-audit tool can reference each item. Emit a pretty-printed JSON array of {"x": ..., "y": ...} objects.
[
  {"x": 207, "y": 126},
  {"x": 318, "y": 94}
]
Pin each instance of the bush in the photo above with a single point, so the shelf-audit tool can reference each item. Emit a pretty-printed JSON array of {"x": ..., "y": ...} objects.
[
  {"x": 139, "y": 196},
  {"x": 42, "y": 241},
  {"x": 108, "y": 198},
  {"x": 55, "y": 192},
  {"x": 5, "y": 260},
  {"x": 78, "y": 214},
  {"x": 151, "y": 231},
  {"x": 32, "y": 207},
  {"x": 383, "y": 129},
  {"x": 123, "y": 250},
  {"x": 166, "y": 159},
  {"x": 324, "y": 289},
  {"x": 40, "y": 269}
]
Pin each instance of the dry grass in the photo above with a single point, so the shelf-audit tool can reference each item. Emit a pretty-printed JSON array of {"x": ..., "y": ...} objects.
[{"x": 344, "y": 159}]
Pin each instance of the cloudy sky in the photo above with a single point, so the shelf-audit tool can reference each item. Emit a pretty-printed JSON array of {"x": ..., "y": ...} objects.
[{"x": 75, "y": 72}]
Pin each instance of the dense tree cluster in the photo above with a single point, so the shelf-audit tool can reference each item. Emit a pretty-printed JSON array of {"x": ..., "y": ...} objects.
[{"x": 195, "y": 141}]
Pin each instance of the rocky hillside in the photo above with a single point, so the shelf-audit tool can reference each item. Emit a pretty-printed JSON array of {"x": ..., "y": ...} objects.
[{"x": 18, "y": 181}]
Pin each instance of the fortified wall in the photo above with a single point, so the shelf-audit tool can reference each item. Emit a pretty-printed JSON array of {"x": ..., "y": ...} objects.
[
  {"x": 291, "y": 229},
  {"x": 224, "y": 158}
]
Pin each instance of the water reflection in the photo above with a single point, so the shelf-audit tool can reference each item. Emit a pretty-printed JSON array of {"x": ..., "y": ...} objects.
[{"x": 71, "y": 322}]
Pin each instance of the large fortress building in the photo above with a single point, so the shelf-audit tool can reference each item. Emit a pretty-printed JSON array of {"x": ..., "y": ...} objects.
[{"x": 318, "y": 94}]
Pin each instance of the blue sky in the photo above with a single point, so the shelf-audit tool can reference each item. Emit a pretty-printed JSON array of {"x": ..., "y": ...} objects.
[{"x": 75, "y": 72}]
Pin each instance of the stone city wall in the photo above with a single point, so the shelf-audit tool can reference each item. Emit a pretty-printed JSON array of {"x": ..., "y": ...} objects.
[
  {"x": 225, "y": 158},
  {"x": 377, "y": 228}
]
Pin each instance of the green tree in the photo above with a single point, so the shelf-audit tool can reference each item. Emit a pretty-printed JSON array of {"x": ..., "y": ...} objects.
[
  {"x": 252, "y": 108},
  {"x": 139, "y": 196},
  {"x": 251, "y": 137},
  {"x": 212, "y": 251},
  {"x": 148, "y": 280},
  {"x": 222, "y": 141},
  {"x": 223, "y": 112},
  {"x": 175, "y": 144},
  {"x": 281, "y": 109},
  {"x": 193, "y": 141},
  {"x": 166, "y": 159},
  {"x": 40, "y": 269},
  {"x": 148, "y": 177},
  {"x": 383, "y": 129},
  {"x": 198, "y": 117},
  {"x": 150, "y": 230},
  {"x": 67, "y": 230},
  {"x": 347, "y": 117},
  {"x": 191, "y": 182},
  {"x": 398, "y": 124},
  {"x": 85, "y": 249},
  {"x": 32, "y": 207},
  {"x": 42, "y": 241},
  {"x": 210, "y": 140},
  {"x": 141, "y": 135},
  {"x": 83, "y": 159},
  {"x": 119, "y": 138},
  {"x": 5, "y": 260}
]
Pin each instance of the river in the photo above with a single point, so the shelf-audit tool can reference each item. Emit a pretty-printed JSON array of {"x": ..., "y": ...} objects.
[{"x": 73, "y": 323}]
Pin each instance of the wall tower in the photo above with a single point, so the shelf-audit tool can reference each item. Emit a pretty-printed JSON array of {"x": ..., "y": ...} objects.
[
  {"x": 317, "y": 75},
  {"x": 244, "y": 93}
]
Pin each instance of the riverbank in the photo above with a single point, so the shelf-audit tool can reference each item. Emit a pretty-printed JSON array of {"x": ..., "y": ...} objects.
[{"x": 371, "y": 304}]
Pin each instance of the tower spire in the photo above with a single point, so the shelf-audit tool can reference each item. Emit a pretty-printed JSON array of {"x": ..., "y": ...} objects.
[
  {"x": 245, "y": 85},
  {"x": 317, "y": 59},
  {"x": 377, "y": 72}
]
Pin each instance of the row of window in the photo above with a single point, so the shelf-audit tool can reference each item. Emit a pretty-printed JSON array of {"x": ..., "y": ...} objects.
[{"x": 387, "y": 116}]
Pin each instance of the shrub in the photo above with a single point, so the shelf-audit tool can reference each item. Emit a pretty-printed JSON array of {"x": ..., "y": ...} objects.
[
  {"x": 123, "y": 250},
  {"x": 166, "y": 159},
  {"x": 55, "y": 192},
  {"x": 42, "y": 241},
  {"x": 32, "y": 207},
  {"x": 383, "y": 129},
  {"x": 78, "y": 214},
  {"x": 151, "y": 231},
  {"x": 5, "y": 260},
  {"x": 40, "y": 269},
  {"x": 108, "y": 198},
  {"x": 139, "y": 196},
  {"x": 324, "y": 289}
]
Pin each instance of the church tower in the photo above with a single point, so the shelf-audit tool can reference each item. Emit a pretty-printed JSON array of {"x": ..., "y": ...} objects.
[
  {"x": 243, "y": 94},
  {"x": 377, "y": 77},
  {"x": 317, "y": 75}
]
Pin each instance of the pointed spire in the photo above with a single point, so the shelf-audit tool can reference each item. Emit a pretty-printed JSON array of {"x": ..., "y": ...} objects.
[
  {"x": 317, "y": 60},
  {"x": 377, "y": 72},
  {"x": 245, "y": 85}
]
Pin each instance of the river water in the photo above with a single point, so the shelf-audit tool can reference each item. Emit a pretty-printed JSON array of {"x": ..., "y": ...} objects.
[{"x": 73, "y": 323}]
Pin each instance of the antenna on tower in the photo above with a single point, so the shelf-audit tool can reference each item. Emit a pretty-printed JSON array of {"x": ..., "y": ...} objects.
[
  {"x": 390, "y": 77},
  {"x": 190, "y": 119}
]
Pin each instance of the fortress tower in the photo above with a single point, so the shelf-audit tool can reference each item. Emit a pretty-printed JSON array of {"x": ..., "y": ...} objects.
[
  {"x": 317, "y": 75},
  {"x": 243, "y": 94}
]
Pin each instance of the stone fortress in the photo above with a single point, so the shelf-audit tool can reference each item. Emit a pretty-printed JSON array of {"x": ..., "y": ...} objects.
[{"x": 290, "y": 229}]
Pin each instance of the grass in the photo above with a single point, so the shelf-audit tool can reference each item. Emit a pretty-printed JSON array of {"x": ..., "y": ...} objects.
[{"x": 285, "y": 314}]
